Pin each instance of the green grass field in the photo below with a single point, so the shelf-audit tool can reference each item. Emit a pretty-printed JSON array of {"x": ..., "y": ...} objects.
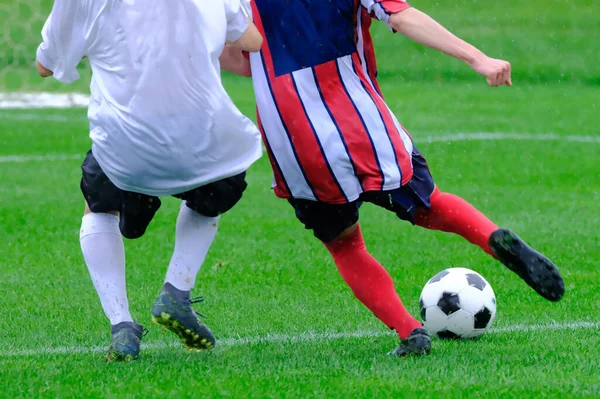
[{"x": 288, "y": 326}]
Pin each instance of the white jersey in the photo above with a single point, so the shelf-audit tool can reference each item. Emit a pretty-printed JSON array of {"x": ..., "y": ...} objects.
[{"x": 160, "y": 120}]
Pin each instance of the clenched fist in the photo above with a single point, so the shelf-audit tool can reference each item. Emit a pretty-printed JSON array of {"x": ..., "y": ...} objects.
[{"x": 496, "y": 71}]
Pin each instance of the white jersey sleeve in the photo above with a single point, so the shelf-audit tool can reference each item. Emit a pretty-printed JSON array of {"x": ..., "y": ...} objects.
[
  {"x": 383, "y": 9},
  {"x": 64, "y": 39},
  {"x": 237, "y": 18}
]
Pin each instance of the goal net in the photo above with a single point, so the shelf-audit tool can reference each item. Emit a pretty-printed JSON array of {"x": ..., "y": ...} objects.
[{"x": 21, "y": 23}]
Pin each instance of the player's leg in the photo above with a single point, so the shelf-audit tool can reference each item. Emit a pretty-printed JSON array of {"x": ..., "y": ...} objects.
[
  {"x": 104, "y": 254},
  {"x": 337, "y": 227},
  {"x": 437, "y": 210},
  {"x": 193, "y": 237},
  {"x": 452, "y": 214},
  {"x": 196, "y": 229},
  {"x": 446, "y": 212}
]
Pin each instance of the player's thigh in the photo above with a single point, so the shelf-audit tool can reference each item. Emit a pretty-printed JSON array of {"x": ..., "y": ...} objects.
[
  {"x": 422, "y": 182},
  {"x": 102, "y": 196},
  {"x": 216, "y": 198},
  {"x": 327, "y": 221}
]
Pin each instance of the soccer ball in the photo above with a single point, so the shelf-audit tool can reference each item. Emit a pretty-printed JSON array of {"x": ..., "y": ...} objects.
[{"x": 458, "y": 303}]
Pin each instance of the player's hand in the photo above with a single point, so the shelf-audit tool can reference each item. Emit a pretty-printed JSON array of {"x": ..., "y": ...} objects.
[
  {"x": 42, "y": 70},
  {"x": 234, "y": 60},
  {"x": 496, "y": 71}
]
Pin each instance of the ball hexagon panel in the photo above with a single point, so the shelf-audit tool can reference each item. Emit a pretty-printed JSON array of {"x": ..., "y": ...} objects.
[
  {"x": 460, "y": 322},
  {"x": 435, "y": 320},
  {"x": 449, "y": 303},
  {"x": 472, "y": 299},
  {"x": 431, "y": 294},
  {"x": 460, "y": 270},
  {"x": 490, "y": 301},
  {"x": 454, "y": 282}
]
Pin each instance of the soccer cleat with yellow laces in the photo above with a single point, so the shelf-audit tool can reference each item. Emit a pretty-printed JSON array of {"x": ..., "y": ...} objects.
[{"x": 173, "y": 310}]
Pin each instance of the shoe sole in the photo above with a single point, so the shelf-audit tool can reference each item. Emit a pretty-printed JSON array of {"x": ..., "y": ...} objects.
[
  {"x": 113, "y": 356},
  {"x": 188, "y": 338},
  {"x": 534, "y": 268},
  {"x": 419, "y": 345}
]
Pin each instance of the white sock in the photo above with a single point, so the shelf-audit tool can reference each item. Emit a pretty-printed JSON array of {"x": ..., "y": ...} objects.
[
  {"x": 194, "y": 236},
  {"x": 104, "y": 253}
]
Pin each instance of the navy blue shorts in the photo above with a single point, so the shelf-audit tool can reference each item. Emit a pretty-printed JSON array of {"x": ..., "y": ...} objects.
[
  {"x": 137, "y": 210},
  {"x": 328, "y": 221}
]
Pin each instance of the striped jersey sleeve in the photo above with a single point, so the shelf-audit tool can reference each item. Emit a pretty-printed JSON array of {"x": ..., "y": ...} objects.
[{"x": 383, "y": 9}]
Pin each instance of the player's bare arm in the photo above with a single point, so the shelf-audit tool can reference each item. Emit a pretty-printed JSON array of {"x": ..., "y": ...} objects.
[
  {"x": 233, "y": 60},
  {"x": 42, "y": 70},
  {"x": 423, "y": 29},
  {"x": 251, "y": 40}
]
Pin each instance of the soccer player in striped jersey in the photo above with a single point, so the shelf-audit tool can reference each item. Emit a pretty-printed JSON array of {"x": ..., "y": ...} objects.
[{"x": 334, "y": 143}]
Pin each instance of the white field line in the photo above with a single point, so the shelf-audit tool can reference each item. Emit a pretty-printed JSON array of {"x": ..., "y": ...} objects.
[
  {"x": 425, "y": 139},
  {"x": 507, "y": 136},
  {"x": 43, "y": 100},
  {"x": 294, "y": 339},
  {"x": 37, "y": 117},
  {"x": 44, "y": 158}
]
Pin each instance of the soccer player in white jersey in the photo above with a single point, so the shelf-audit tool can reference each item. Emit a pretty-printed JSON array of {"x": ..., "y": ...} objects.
[
  {"x": 334, "y": 143},
  {"x": 161, "y": 124}
]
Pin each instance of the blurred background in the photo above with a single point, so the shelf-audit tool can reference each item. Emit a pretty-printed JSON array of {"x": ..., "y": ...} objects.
[{"x": 548, "y": 42}]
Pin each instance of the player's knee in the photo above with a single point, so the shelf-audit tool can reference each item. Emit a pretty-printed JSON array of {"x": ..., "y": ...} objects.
[
  {"x": 132, "y": 233},
  {"x": 132, "y": 227},
  {"x": 138, "y": 210},
  {"x": 209, "y": 208},
  {"x": 217, "y": 198},
  {"x": 329, "y": 232},
  {"x": 347, "y": 232},
  {"x": 88, "y": 210},
  {"x": 328, "y": 222},
  {"x": 97, "y": 209}
]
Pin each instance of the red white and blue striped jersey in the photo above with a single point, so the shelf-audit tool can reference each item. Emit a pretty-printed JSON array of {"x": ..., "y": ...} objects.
[{"x": 329, "y": 134}]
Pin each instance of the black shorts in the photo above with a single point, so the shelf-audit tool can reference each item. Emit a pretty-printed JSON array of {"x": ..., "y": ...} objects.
[
  {"x": 137, "y": 210},
  {"x": 328, "y": 221}
]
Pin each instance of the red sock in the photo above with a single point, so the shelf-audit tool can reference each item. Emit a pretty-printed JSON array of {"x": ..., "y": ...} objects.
[
  {"x": 453, "y": 214},
  {"x": 371, "y": 283}
]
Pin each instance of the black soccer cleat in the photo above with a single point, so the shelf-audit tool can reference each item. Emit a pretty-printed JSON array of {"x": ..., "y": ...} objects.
[
  {"x": 534, "y": 268},
  {"x": 418, "y": 343},
  {"x": 125, "y": 342},
  {"x": 173, "y": 310}
]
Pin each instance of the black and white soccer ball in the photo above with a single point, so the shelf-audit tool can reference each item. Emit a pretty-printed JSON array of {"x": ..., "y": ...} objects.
[{"x": 458, "y": 303}]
